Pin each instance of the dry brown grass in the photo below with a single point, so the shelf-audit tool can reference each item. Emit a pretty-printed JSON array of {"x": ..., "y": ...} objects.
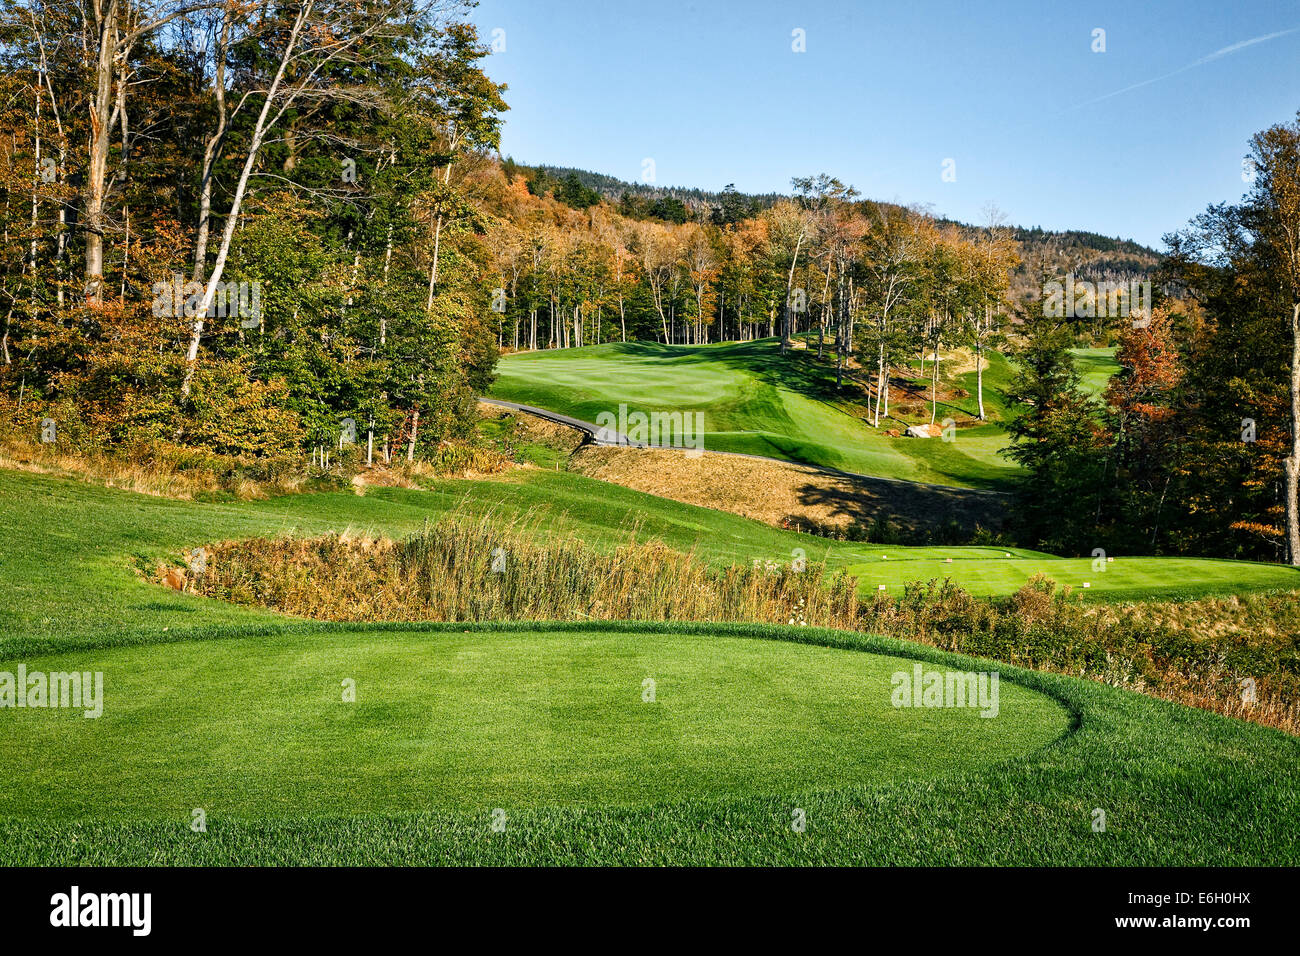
[
  {"x": 788, "y": 495},
  {"x": 539, "y": 430},
  {"x": 380, "y": 476},
  {"x": 463, "y": 461},
  {"x": 467, "y": 570},
  {"x": 1197, "y": 652},
  {"x": 152, "y": 471},
  {"x": 960, "y": 361},
  {"x": 112, "y": 471}
]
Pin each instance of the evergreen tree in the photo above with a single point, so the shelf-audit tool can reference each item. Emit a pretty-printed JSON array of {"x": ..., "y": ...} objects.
[{"x": 1058, "y": 442}]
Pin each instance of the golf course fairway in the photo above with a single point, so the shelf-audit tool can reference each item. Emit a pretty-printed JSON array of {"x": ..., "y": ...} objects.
[{"x": 754, "y": 400}]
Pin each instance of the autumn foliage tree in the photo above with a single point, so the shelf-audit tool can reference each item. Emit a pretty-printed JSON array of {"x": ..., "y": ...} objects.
[{"x": 217, "y": 215}]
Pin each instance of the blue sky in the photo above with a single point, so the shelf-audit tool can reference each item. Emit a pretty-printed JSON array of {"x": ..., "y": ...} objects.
[{"x": 1011, "y": 92}]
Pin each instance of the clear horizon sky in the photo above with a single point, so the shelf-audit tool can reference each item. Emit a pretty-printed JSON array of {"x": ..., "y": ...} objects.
[{"x": 1130, "y": 142}]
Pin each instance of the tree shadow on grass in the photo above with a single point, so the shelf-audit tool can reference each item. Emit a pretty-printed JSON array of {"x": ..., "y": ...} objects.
[{"x": 914, "y": 511}]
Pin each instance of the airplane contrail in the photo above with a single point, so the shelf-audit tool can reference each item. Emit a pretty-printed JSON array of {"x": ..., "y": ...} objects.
[{"x": 1208, "y": 58}]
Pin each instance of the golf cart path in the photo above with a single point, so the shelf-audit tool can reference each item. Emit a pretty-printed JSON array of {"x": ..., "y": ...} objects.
[{"x": 601, "y": 435}]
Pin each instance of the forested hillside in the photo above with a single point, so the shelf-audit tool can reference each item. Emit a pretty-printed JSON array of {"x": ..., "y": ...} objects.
[
  {"x": 1043, "y": 252},
  {"x": 227, "y": 227},
  {"x": 254, "y": 234}
]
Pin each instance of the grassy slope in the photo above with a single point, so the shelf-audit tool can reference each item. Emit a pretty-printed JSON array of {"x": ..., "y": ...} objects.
[
  {"x": 997, "y": 377},
  {"x": 471, "y": 721},
  {"x": 1095, "y": 367},
  {"x": 754, "y": 400},
  {"x": 90, "y": 537},
  {"x": 1178, "y": 787}
]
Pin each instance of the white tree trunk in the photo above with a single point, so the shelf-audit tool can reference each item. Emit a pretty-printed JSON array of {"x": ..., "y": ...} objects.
[
  {"x": 232, "y": 219},
  {"x": 1293, "y": 462}
]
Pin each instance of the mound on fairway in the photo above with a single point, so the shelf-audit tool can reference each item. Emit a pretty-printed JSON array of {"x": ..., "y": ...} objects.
[
  {"x": 754, "y": 400},
  {"x": 259, "y": 728}
]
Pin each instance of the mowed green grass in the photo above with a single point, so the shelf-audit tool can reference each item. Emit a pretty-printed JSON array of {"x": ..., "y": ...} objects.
[
  {"x": 989, "y": 573},
  {"x": 717, "y": 771},
  {"x": 240, "y": 712},
  {"x": 70, "y": 551},
  {"x": 1095, "y": 368},
  {"x": 754, "y": 400},
  {"x": 258, "y": 728}
]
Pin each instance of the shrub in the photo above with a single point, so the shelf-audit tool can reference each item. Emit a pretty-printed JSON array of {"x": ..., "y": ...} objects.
[{"x": 463, "y": 570}]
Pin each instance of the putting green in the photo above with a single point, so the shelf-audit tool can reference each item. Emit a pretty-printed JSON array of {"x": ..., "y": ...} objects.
[{"x": 258, "y": 727}]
